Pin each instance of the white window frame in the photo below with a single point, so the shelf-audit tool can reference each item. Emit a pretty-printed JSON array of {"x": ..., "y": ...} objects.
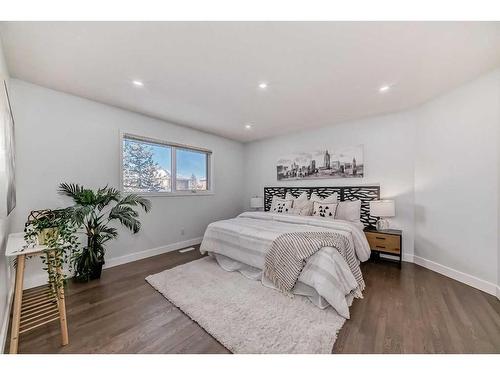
[{"x": 173, "y": 147}]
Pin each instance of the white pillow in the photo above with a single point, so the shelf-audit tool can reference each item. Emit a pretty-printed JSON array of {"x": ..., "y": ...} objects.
[
  {"x": 303, "y": 207},
  {"x": 301, "y": 197},
  {"x": 324, "y": 209},
  {"x": 280, "y": 205},
  {"x": 331, "y": 199},
  {"x": 349, "y": 210}
]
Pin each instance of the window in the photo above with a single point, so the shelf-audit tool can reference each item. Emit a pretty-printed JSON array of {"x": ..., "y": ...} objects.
[
  {"x": 191, "y": 169},
  {"x": 151, "y": 166}
]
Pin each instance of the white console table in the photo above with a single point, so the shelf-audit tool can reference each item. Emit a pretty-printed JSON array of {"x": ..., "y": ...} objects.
[{"x": 38, "y": 306}]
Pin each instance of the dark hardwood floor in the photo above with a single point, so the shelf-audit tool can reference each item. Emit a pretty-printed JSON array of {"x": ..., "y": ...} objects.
[
  {"x": 415, "y": 310},
  {"x": 407, "y": 310}
]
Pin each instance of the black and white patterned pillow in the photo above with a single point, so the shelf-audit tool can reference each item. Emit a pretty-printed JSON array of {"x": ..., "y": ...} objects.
[
  {"x": 325, "y": 209},
  {"x": 281, "y": 206}
]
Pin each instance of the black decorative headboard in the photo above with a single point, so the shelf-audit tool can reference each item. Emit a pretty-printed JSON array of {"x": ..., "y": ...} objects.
[{"x": 345, "y": 193}]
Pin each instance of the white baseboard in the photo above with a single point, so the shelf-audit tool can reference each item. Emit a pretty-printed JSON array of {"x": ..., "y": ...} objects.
[
  {"x": 113, "y": 262},
  {"x": 40, "y": 278},
  {"x": 36, "y": 280},
  {"x": 465, "y": 278},
  {"x": 406, "y": 257}
]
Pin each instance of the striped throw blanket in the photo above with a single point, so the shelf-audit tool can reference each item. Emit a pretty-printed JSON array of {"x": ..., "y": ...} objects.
[{"x": 289, "y": 252}]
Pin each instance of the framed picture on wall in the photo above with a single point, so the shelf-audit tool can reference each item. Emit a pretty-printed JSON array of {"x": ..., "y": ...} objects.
[
  {"x": 7, "y": 154},
  {"x": 346, "y": 162}
]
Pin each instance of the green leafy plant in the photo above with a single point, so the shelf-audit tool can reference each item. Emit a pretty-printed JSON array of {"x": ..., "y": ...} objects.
[
  {"x": 56, "y": 230},
  {"x": 94, "y": 211}
]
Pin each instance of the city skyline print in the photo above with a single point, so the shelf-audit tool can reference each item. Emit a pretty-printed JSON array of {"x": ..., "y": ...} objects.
[{"x": 346, "y": 162}]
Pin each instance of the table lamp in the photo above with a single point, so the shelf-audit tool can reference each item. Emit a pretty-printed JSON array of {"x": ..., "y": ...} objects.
[
  {"x": 256, "y": 203},
  {"x": 382, "y": 209}
]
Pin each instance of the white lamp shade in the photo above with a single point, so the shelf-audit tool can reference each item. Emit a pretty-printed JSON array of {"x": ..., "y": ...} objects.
[
  {"x": 257, "y": 202},
  {"x": 382, "y": 208}
]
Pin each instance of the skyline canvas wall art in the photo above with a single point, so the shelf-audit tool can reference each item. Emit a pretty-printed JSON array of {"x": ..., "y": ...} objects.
[
  {"x": 344, "y": 162},
  {"x": 7, "y": 166}
]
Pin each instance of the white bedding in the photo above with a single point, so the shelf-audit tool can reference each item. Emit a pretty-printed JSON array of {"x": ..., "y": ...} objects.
[{"x": 242, "y": 244}]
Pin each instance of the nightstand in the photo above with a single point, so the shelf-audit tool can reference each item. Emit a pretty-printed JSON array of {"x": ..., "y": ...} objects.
[{"x": 388, "y": 241}]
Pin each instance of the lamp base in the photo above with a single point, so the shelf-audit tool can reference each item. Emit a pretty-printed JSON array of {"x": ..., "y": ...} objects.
[{"x": 382, "y": 224}]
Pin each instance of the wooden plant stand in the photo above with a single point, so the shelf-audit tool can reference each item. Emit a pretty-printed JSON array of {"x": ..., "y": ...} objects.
[{"x": 37, "y": 306}]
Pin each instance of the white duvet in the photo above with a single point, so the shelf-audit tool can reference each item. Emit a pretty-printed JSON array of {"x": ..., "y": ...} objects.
[{"x": 243, "y": 242}]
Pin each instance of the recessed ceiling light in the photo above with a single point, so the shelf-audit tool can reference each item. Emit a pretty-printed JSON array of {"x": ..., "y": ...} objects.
[
  {"x": 384, "y": 88},
  {"x": 263, "y": 85},
  {"x": 248, "y": 126},
  {"x": 138, "y": 83}
]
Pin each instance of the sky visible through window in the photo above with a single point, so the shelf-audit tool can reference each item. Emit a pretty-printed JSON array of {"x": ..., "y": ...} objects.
[
  {"x": 188, "y": 162},
  {"x": 191, "y": 162},
  {"x": 161, "y": 155}
]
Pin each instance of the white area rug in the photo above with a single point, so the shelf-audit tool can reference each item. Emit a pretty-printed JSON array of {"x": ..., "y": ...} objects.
[{"x": 245, "y": 316}]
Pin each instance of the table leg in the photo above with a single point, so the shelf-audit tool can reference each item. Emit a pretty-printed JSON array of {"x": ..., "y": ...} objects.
[
  {"x": 18, "y": 299},
  {"x": 61, "y": 303}
]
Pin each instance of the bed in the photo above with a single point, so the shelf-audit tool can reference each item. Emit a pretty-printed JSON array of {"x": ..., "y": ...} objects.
[{"x": 241, "y": 244}]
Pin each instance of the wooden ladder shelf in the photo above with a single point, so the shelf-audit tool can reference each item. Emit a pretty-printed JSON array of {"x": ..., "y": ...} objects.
[{"x": 35, "y": 307}]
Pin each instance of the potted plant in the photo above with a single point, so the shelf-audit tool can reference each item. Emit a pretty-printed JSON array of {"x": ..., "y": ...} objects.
[
  {"x": 41, "y": 227},
  {"x": 94, "y": 211},
  {"x": 56, "y": 230}
]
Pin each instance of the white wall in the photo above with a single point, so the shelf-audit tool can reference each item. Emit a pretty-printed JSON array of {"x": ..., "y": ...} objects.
[
  {"x": 389, "y": 149},
  {"x": 456, "y": 179},
  {"x": 64, "y": 138},
  {"x": 4, "y": 230},
  {"x": 440, "y": 163}
]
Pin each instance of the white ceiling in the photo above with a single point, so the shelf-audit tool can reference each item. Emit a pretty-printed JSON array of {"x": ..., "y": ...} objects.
[{"x": 205, "y": 74}]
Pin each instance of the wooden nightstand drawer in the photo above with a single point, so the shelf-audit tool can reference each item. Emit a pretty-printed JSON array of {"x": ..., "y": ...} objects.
[{"x": 384, "y": 242}]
